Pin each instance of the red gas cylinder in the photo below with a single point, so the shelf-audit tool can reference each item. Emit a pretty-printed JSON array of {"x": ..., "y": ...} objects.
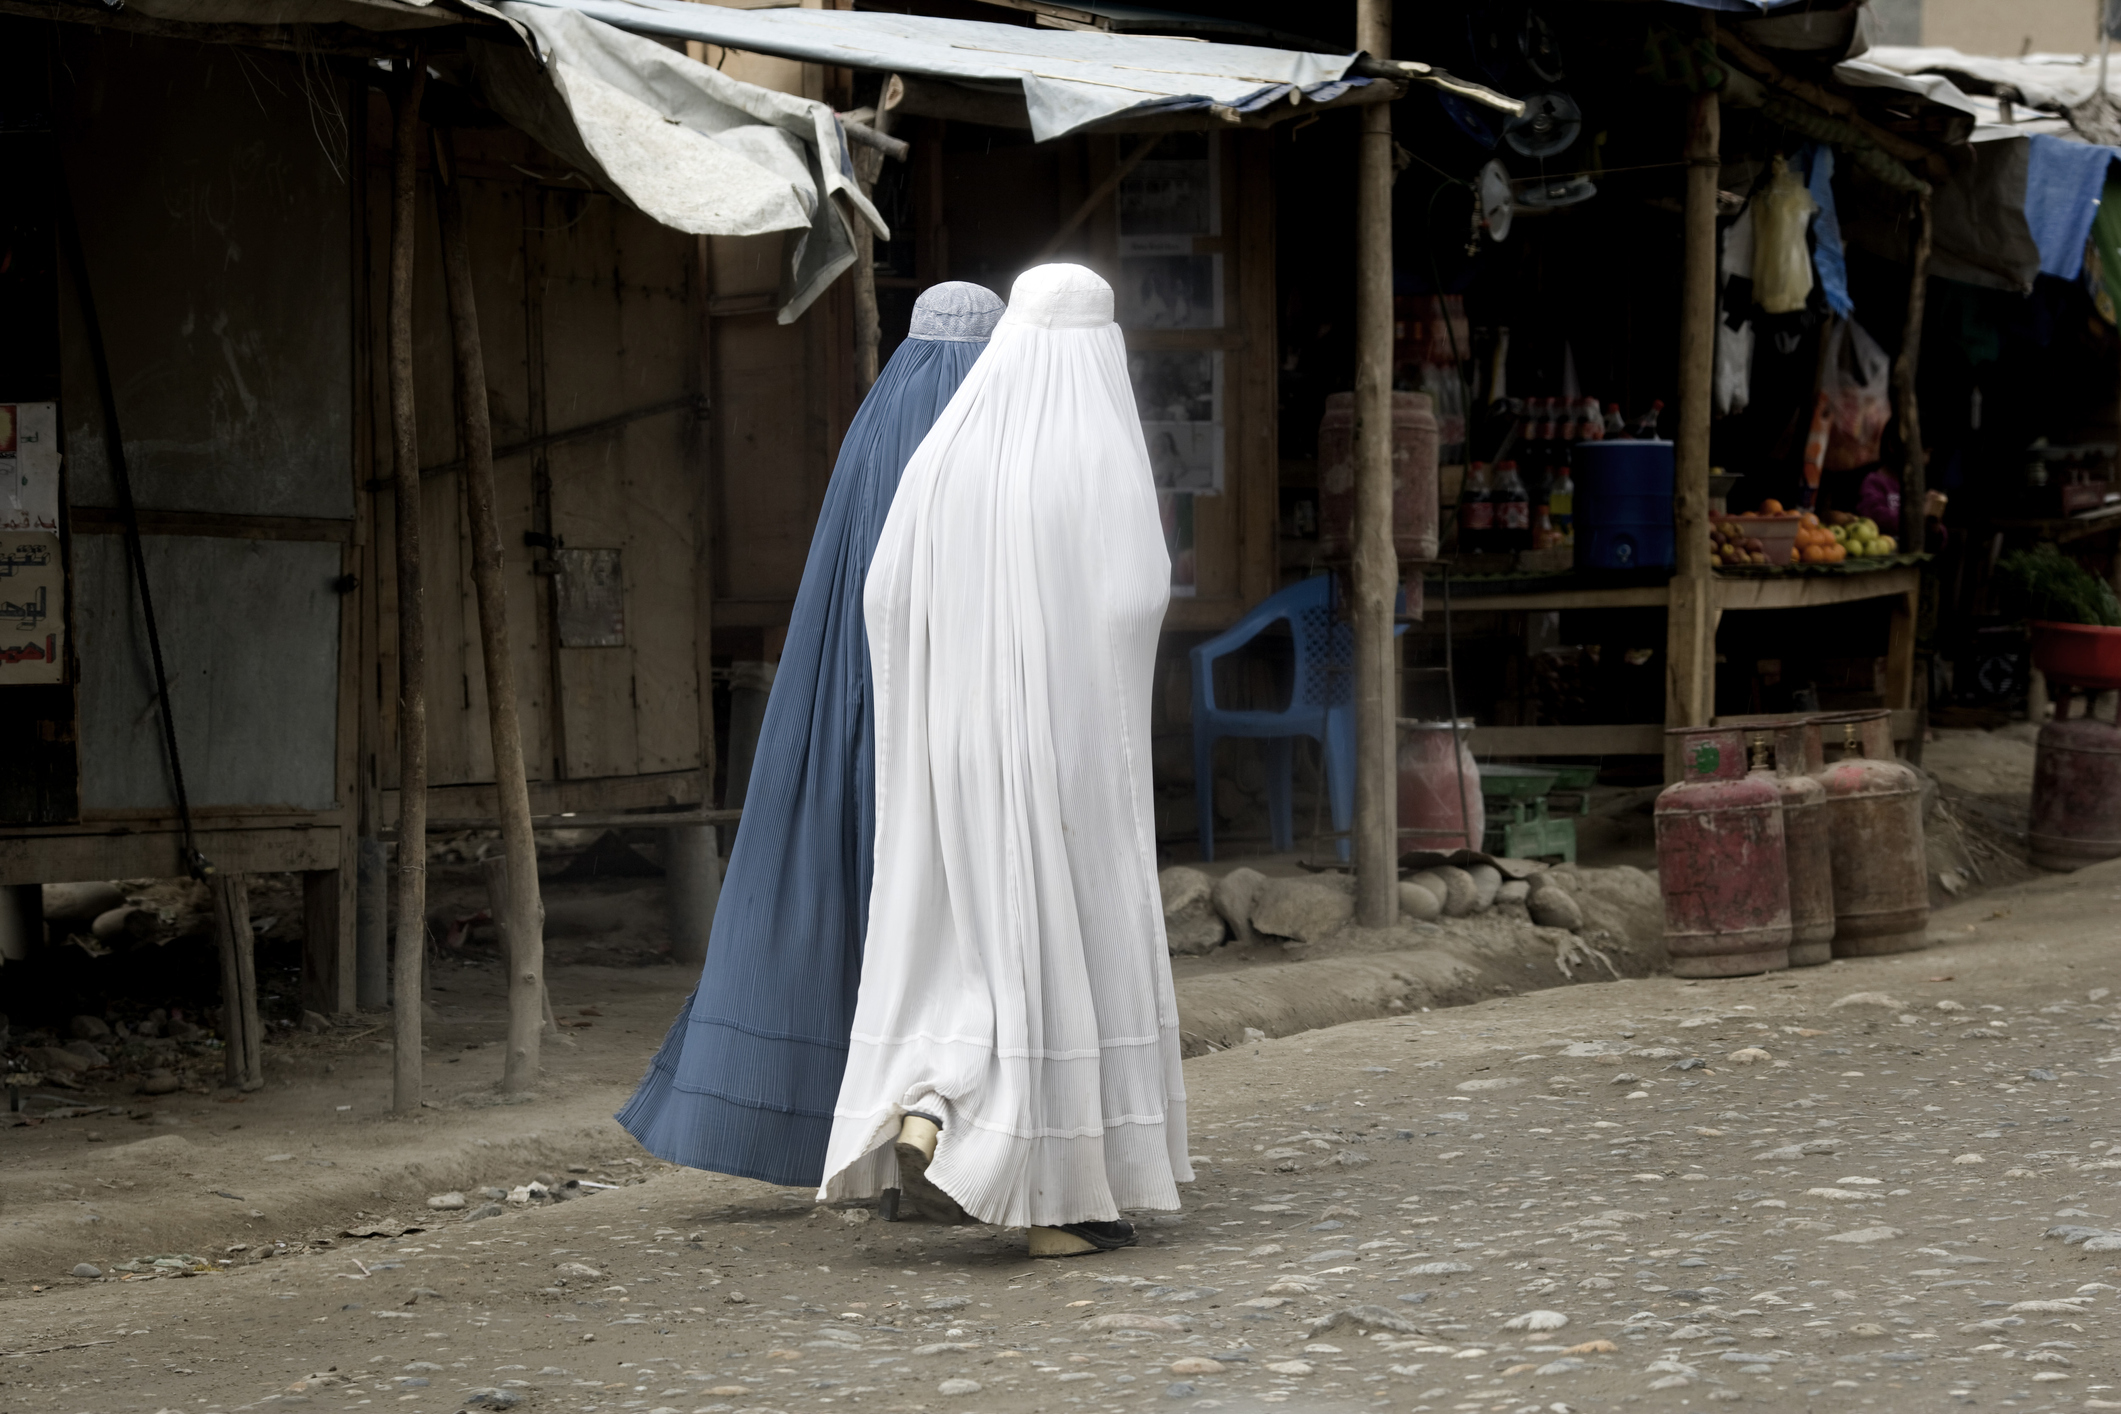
[
  {"x": 1798, "y": 757},
  {"x": 2076, "y": 794},
  {"x": 1874, "y": 827},
  {"x": 1721, "y": 864},
  {"x": 1413, "y": 476},
  {"x": 1440, "y": 806}
]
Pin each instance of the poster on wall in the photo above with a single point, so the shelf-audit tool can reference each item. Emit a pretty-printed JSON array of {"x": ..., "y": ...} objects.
[
  {"x": 1170, "y": 198},
  {"x": 1179, "y": 396},
  {"x": 1167, "y": 202},
  {"x": 32, "y": 608},
  {"x": 29, "y": 467}
]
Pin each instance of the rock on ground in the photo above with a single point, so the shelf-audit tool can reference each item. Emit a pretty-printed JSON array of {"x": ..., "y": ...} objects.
[
  {"x": 1418, "y": 903},
  {"x": 1305, "y": 910},
  {"x": 1233, "y": 897},
  {"x": 1191, "y": 923}
]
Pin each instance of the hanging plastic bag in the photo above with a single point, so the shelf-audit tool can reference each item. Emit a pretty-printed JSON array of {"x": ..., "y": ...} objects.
[
  {"x": 1734, "y": 323},
  {"x": 1855, "y": 385},
  {"x": 1782, "y": 260}
]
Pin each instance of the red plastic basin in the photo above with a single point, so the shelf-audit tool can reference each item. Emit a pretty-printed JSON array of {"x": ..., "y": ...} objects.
[{"x": 2082, "y": 655}]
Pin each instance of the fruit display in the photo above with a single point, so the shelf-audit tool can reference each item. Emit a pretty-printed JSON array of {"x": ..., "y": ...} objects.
[
  {"x": 1730, "y": 544},
  {"x": 1861, "y": 536},
  {"x": 1772, "y": 537}
]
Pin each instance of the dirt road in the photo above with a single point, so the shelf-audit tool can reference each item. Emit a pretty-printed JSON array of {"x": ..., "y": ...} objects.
[{"x": 1386, "y": 1209}]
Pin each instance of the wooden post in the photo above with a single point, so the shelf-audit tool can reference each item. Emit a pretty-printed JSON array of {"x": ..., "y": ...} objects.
[
  {"x": 706, "y": 521},
  {"x": 1914, "y": 481},
  {"x": 409, "y": 966},
  {"x": 525, "y": 921},
  {"x": 868, "y": 324},
  {"x": 1376, "y": 570},
  {"x": 242, "y": 1032},
  {"x": 1690, "y": 641}
]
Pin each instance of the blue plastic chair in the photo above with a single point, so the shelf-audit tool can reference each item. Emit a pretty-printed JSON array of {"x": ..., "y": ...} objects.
[{"x": 1321, "y": 706}]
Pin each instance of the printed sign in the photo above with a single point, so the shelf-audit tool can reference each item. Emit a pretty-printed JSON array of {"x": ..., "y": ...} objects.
[
  {"x": 29, "y": 467},
  {"x": 32, "y": 608}
]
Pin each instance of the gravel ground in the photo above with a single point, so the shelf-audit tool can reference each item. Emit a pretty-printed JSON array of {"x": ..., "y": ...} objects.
[{"x": 1876, "y": 1185}]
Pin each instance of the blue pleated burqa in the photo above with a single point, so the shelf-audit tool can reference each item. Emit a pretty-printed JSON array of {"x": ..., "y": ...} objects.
[{"x": 746, "y": 1080}]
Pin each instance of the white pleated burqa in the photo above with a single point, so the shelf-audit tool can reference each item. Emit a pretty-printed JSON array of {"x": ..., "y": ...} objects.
[{"x": 1015, "y": 981}]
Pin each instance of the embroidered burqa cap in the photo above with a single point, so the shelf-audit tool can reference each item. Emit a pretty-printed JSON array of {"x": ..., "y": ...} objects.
[
  {"x": 745, "y": 1081},
  {"x": 1015, "y": 981}
]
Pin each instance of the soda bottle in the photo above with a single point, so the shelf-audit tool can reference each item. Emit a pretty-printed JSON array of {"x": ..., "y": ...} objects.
[
  {"x": 1561, "y": 507},
  {"x": 1646, "y": 425},
  {"x": 1591, "y": 427},
  {"x": 1476, "y": 512},
  {"x": 1512, "y": 509},
  {"x": 1614, "y": 427}
]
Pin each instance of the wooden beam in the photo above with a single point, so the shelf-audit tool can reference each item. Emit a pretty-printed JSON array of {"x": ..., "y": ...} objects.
[
  {"x": 524, "y": 923},
  {"x": 70, "y": 855},
  {"x": 1765, "y": 69},
  {"x": 1375, "y": 577},
  {"x": 99, "y": 520},
  {"x": 1690, "y": 642},
  {"x": 1809, "y": 591},
  {"x": 242, "y": 1030},
  {"x": 1914, "y": 480},
  {"x": 409, "y": 969},
  {"x": 1646, "y": 739}
]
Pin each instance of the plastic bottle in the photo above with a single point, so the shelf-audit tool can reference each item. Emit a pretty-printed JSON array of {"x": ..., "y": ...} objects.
[
  {"x": 1614, "y": 427},
  {"x": 1646, "y": 425},
  {"x": 1476, "y": 512},
  {"x": 1591, "y": 425},
  {"x": 1513, "y": 509},
  {"x": 1561, "y": 507}
]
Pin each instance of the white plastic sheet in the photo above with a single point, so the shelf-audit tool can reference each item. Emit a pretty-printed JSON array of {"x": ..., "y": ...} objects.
[
  {"x": 692, "y": 148},
  {"x": 1070, "y": 78}
]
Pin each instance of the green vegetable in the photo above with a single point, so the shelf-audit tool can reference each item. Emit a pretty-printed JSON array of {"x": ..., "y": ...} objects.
[{"x": 2044, "y": 583}]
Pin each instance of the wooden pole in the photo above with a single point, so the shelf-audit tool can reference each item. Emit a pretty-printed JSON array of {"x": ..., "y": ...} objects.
[
  {"x": 524, "y": 925},
  {"x": 1690, "y": 628},
  {"x": 408, "y": 973},
  {"x": 1914, "y": 481},
  {"x": 1376, "y": 569},
  {"x": 868, "y": 324},
  {"x": 242, "y": 1031}
]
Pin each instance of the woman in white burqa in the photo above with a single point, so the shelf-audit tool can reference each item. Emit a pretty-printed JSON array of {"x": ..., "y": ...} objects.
[{"x": 1016, "y": 1037}]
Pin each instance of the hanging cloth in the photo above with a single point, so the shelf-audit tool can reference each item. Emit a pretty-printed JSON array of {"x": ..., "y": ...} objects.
[
  {"x": 745, "y": 1081},
  {"x": 1016, "y": 983},
  {"x": 1828, "y": 257}
]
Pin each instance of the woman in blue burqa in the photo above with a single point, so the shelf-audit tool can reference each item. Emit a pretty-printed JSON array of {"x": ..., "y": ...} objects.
[{"x": 746, "y": 1080}]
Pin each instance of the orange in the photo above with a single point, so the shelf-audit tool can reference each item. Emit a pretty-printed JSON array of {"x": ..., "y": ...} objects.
[
  {"x": 1771, "y": 507},
  {"x": 1808, "y": 519}
]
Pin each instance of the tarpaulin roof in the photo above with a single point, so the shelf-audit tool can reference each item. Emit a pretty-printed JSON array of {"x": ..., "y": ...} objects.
[
  {"x": 683, "y": 143},
  {"x": 1070, "y": 79},
  {"x": 2051, "y": 81}
]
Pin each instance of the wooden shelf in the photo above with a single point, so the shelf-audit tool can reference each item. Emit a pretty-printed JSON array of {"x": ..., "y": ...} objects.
[{"x": 1728, "y": 592}]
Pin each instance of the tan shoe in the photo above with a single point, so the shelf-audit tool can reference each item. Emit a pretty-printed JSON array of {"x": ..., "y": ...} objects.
[
  {"x": 917, "y": 1135},
  {"x": 1079, "y": 1239}
]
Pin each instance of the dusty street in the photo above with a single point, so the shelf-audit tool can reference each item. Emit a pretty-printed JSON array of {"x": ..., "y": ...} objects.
[{"x": 1860, "y": 1217}]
